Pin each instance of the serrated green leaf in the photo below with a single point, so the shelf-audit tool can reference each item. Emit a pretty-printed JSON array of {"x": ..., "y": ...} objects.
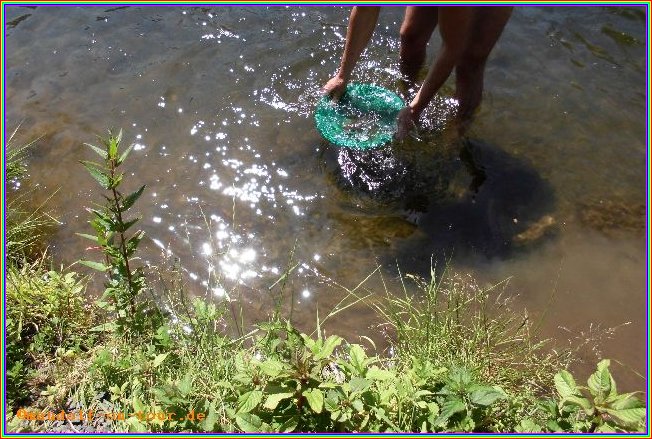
[
  {"x": 486, "y": 396},
  {"x": 528, "y": 426},
  {"x": 374, "y": 373},
  {"x": 160, "y": 359},
  {"x": 212, "y": 418},
  {"x": 601, "y": 383},
  {"x": 315, "y": 399},
  {"x": 130, "y": 199},
  {"x": 579, "y": 401},
  {"x": 625, "y": 401},
  {"x": 448, "y": 409},
  {"x": 274, "y": 399},
  {"x": 358, "y": 405},
  {"x": 124, "y": 155},
  {"x": 357, "y": 357},
  {"x": 630, "y": 416},
  {"x": 248, "y": 401},
  {"x": 565, "y": 384},
  {"x": 249, "y": 423},
  {"x": 329, "y": 346},
  {"x": 185, "y": 385},
  {"x": 94, "y": 265},
  {"x": 135, "y": 425},
  {"x": 126, "y": 225},
  {"x": 99, "y": 176},
  {"x": 99, "y": 151},
  {"x": 289, "y": 426},
  {"x": 359, "y": 384},
  {"x": 332, "y": 401},
  {"x": 606, "y": 427},
  {"x": 271, "y": 367},
  {"x": 113, "y": 147}
]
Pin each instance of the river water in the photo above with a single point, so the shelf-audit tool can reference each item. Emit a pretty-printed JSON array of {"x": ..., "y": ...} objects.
[{"x": 548, "y": 190}]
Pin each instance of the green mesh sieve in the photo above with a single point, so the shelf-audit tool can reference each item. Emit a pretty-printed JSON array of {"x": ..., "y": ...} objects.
[{"x": 363, "y": 118}]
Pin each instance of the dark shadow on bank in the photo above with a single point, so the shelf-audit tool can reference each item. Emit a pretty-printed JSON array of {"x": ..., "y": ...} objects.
[{"x": 465, "y": 201}]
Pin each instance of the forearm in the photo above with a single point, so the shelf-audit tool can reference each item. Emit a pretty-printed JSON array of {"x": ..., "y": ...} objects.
[{"x": 362, "y": 23}]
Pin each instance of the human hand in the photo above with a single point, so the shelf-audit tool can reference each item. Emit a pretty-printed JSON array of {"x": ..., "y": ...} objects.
[
  {"x": 335, "y": 88},
  {"x": 406, "y": 121}
]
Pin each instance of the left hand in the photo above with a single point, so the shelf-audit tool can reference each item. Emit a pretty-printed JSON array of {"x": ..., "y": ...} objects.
[{"x": 406, "y": 121}]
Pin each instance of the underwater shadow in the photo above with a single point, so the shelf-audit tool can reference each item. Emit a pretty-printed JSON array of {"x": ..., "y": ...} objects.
[{"x": 465, "y": 201}]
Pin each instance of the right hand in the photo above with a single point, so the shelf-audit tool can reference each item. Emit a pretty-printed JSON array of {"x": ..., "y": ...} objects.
[{"x": 335, "y": 88}]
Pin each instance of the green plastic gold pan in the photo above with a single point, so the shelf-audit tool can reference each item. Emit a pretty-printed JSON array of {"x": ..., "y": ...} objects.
[{"x": 363, "y": 118}]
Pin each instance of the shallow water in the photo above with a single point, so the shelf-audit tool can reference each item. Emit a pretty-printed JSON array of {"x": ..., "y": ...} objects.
[{"x": 549, "y": 191}]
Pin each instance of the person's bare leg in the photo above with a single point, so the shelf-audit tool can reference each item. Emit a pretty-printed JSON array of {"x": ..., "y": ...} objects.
[
  {"x": 416, "y": 30},
  {"x": 488, "y": 25}
]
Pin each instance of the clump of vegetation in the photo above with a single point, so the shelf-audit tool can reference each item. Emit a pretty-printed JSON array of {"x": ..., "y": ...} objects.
[
  {"x": 26, "y": 225},
  {"x": 46, "y": 315},
  {"x": 462, "y": 360}
]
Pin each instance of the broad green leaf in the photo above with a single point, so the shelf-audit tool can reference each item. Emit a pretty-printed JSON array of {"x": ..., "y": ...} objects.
[
  {"x": 565, "y": 384},
  {"x": 357, "y": 357},
  {"x": 248, "y": 401},
  {"x": 606, "y": 427},
  {"x": 212, "y": 418},
  {"x": 486, "y": 395},
  {"x": 579, "y": 401},
  {"x": 137, "y": 404},
  {"x": 159, "y": 359},
  {"x": 315, "y": 399},
  {"x": 460, "y": 377},
  {"x": 630, "y": 416},
  {"x": 99, "y": 176},
  {"x": 136, "y": 426},
  {"x": 124, "y": 155},
  {"x": 273, "y": 400},
  {"x": 249, "y": 423},
  {"x": 271, "y": 367},
  {"x": 329, "y": 346},
  {"x": 358, "y": 405},
  {"x": 625, "y": 401},
  {"x": 94, "y": 265},
  {"x": 374, "y": 373},
  {"x": 130, "y": 199},
  {"x": 359, "y": 384},
  {"x": 185, "y": 385},
  {"x": 332, "y": 401},
  {"x": 601, "y": 383},
  {"x": 289, "y": 426},
  {"x": 448, "y": 409},
  {"x": 99, "y": 151},
  {"x": 554, "y": 426},
  {"x": 528, "y": 426}
]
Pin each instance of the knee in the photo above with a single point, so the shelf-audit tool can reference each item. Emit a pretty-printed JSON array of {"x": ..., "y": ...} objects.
[{"x": 413, "y": 39}]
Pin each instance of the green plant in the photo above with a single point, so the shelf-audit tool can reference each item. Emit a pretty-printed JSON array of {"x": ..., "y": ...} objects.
[
  {"x": 595, "y": 408},
  {"x": 46, "y": 317},
  {"x": 125, "y": 282},
  {"x": 297, "y": 383},
  {"x": 449, "y": 320},
  {"x": 26, "y": 225}
]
